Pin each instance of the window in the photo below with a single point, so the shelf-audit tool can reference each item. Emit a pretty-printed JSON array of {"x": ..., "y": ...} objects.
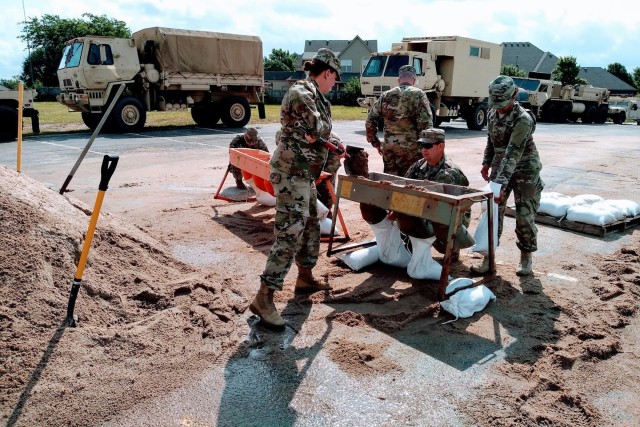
[
  {"x": 374, "y": 67},
  {"x": 394, "y": 63},
  {"x": 346, "y": 65},
  {"x": 71, "y": 55},
  {"x": 474, "y": 51},
  {"x": 417, "y": 64},
  {"x": 94, "y": 57}
]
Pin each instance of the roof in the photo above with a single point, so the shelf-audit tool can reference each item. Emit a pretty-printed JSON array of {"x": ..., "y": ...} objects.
[
  {"x": 599, "y": 77},
  {"x": 311, "y": 47}
]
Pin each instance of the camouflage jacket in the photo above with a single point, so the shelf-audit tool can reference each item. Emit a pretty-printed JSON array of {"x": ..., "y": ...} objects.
[
  {"x": 445, "y": 172},
  {"x": 510, "y": 148},
  {"x": 304, "y": 109},
  {"x": 405, "y": 110},
  {"x": 239, "y": 142}
]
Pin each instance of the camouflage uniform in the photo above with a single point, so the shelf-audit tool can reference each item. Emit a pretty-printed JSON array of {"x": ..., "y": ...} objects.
[
  {"x": 331, "y": 166},
  {"x": 295, "y": 165},
  {"x": 239, "y": 142},
  {"x": 515, "y": 163},
  {"x": 406, "y": 111}
]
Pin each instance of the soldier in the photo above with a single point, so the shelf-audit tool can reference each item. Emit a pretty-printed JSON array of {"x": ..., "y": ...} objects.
[
  {"x": 511, "y": 160},
  {"x": 406, "y": 112},
  {"x": 248, "y": 139},
  {"x": 305, "y": 116},
  {"x": 332, "y": 164},
  {"x": 436, "y": 166}
]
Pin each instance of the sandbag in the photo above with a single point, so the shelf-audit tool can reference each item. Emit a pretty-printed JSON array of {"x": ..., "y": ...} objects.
[
  {"x": 590, "y": 215},
  {"x": 323, "y": 210},
  {"x": 391, "y": 248},
  {"x": 481, "y": 235},
  {"x": 325, "y": 227},
  {"x": 422, "y": 264},
  {"x": 466, "y": 302},
  {"x": 361, "y": 258},
  {"x": 586, "y": 199},
  {"x": 555, "y": 204}
]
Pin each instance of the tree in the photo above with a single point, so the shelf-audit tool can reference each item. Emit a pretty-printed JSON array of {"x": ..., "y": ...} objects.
[
  {"x": 566, "y": 70},
  {"x": 620, "y": 71},
  {"x": 511, "y": 71},
  {"x": 351, "y": 92},
  {"x": 636, "y": 78},
  {"x": 48, "y": 35},
  {"x": 10, "y": 83},
  {"x": 280, "y": 60}
]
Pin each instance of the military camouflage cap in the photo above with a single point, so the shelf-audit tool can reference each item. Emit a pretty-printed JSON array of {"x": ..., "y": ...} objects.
[
  {"x": 329, "y": 58},
  {"x": 501, "y": 90},
  {"x": 431, "y": 136},
  {"x": 407, "y": 71},
  {"x": 252, "y": 133}
]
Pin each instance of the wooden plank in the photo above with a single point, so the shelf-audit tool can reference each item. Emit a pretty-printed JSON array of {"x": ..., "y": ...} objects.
[{"x": 580, "y": 227}]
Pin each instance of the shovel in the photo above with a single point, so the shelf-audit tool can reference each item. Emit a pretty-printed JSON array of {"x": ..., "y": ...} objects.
[{"x": 108, "y": 167}]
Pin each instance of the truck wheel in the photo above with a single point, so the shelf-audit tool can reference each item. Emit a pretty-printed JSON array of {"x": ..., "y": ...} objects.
[
  {"x": 565, "y": 112},
  {"x": 550, "y": 113},
  {"x": 8, "y": 123},
  {"x": 235, "y": 112},
  {"x": 603, "y": 110},
  {"x": 590, "y": 115},
  {"x": 206, "y": 116},
  {"x": 620, "y": 118},
  {"x": 478, "y": 117},
  {"x": 129, "y": 115},
  {"x": 91, "y": 120}
]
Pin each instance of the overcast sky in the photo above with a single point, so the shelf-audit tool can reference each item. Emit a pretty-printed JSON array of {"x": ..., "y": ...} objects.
[{"x": 596, "y": 36}]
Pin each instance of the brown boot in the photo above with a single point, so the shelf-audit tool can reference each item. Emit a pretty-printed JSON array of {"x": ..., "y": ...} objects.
[
  {"x": 263, "y": 307},
  {"x": 482, "y": 268},
  {"x": 307, "y": 283},
  {"x": 240, "y": 185},
  {"x": 526, "y": 264}
]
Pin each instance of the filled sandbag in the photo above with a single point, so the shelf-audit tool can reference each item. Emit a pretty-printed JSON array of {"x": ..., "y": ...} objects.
[
  {"x": 357, "y": 260},
  {"x": 422, "y": 264},
  {"x": 466, "y": 302},
  {"x": 391, "y": 248}
]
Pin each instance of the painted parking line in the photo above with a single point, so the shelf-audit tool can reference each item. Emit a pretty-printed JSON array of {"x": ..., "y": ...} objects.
[
  {"x": 71, "y": 148},
  {"x": 562, "y": 277},
  {"x": 225, "y": 147}
]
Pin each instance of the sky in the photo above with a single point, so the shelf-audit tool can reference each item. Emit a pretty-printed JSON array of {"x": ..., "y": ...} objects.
[{"x": 595, "y": 36}]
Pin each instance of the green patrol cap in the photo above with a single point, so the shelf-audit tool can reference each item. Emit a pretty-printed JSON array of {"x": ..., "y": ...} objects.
[
  {"x": 431, "y": 136},
  {"x": 329, "y": 58},
  {"x": 501, "y": 90}
]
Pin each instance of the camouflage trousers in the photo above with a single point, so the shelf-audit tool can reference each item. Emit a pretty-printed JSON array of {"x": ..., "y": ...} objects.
[
  {"x": 398, "y": 157},
  {"x": 236, "y": 172},
  {"x": 297, "y": 229},
  {"x": 526, "y": 192}
]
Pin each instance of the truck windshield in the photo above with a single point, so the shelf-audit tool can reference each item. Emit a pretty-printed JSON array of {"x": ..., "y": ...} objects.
[
  {"x": 71, "y": 55},
  {"x": 394, "y": 63},
  {"x": 374, "y": 66},
  {"x": 526, "y": 84}
]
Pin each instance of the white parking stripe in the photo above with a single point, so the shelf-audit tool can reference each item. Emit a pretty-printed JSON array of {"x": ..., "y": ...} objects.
[{"x": 70, "y": 148}]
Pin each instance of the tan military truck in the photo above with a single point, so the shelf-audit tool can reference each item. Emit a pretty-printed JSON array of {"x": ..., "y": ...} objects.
[
  {"x": 9, "y": 112},
  {"x": 553, "y": 102},
  {"x": 216, "y": 75},
  {"x": 453, "y": 71},
  {"x": 623, "y": 109}
]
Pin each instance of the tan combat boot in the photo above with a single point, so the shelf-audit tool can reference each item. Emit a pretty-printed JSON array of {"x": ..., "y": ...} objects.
[
  {"x": 526, "y": 264},
  {"x": 307, "y": 283},
  {"x": 481, "y": 268},
  {"x": 263, "y": 306}
]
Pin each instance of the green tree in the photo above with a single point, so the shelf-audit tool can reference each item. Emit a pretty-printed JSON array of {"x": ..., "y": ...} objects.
[
  {"x": 511, "y": 71},
  {"x": 566, "y": 70},
  {"x": 635, "y": 74},
  {"x": 10, "y": 83},
  {"x": 280, "y": 60},
  {"x": 48, "y": 35},
  {"x": 620, "y": 71},
  {"x": 351, "y": 92}
]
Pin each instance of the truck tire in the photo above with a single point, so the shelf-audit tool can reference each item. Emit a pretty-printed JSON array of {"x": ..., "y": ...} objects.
[
  {"x": 129, "y": 115},
  {"x": 603, "y": 110},
  {"x": 477, "y": 119},
  {"x": 8, "y": 123},
  {"x": 206, "y": 116},
  {"x": 91, "y": 120},
  {"x": 590, "y": 115},
  {"x": 236, "y": 112},
  {"x": 565, "y": 112},
  {"x": 619, "y": 118}
]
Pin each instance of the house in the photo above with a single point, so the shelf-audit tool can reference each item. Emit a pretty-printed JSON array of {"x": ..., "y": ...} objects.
[
  {"x": 353, "y": 55},
  {"x": 529, "y": 58}
]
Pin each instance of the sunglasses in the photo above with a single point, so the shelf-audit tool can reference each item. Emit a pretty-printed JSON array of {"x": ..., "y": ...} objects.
[{"x": 428, "y": 145}]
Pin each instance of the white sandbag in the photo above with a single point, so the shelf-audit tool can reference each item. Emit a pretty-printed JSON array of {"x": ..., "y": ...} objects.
[
  {"x": 551, "y": 195},
  {"x": 361, "y": 258},
  {"x": 325, "y": 227},
  {"x": 481, "y": 235},
  {"x": 586, "y": 199},
  {"x": 629, "y": 207},
  {"x": 391, "y": 248},
  {"x": 495, "y": 188},
  {"x": 616, "y": 210},
  {"x": 265, "y": 198},
  {"x": 323, "y": 210},
  {"x": 422, "y": 264},
  {"x": 555, "y": 206},
  {"x": 466, "y": 302},
  {"x": 588, "y": 215}
]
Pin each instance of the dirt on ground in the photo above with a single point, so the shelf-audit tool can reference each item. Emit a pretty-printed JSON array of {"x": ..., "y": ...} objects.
[{"x": 149, "y": 321}]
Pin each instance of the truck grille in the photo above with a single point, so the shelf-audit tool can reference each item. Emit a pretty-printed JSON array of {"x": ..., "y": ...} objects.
[{"x": 378, "y": 89}]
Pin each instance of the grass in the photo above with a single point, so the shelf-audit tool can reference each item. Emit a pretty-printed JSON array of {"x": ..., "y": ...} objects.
[{"x": 54, "y": 115}]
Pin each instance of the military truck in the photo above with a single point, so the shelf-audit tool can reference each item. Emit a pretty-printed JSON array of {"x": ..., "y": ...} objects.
[
  {"x": 216, "y": 75},
  {"x": 623, "y": 109},
  {"x": 553, "y": 102},
  {"x": 453, "y": 71},
  {"x": 9, "y": 112}
]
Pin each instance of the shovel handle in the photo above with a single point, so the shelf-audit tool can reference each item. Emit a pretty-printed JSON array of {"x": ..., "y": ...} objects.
[{"x": 109, "y": 164}]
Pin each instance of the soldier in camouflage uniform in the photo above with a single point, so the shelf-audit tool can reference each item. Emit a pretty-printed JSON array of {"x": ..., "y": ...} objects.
[
  {"x": 512, "y": 159},
  {"x": 331, "y": 166},
  {"x": 305, "y": 116},
  {"x": 249, "y": 139},
  {"x": 437, "y": 167},
  {"x": 406, "y": 112}
]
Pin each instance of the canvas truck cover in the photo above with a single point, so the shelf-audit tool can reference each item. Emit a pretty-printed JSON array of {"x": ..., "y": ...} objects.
[{"x": 203, "y": 51}]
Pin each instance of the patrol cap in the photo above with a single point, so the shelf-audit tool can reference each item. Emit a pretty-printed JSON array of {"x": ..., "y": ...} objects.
[
  {"x": 325, "y": 55},
  {"x": 431, "y": 136},
  {"x": 501, "y": 90},
  {"x": 252, "y": 133},
  {"x": 407, "y": 71}
]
